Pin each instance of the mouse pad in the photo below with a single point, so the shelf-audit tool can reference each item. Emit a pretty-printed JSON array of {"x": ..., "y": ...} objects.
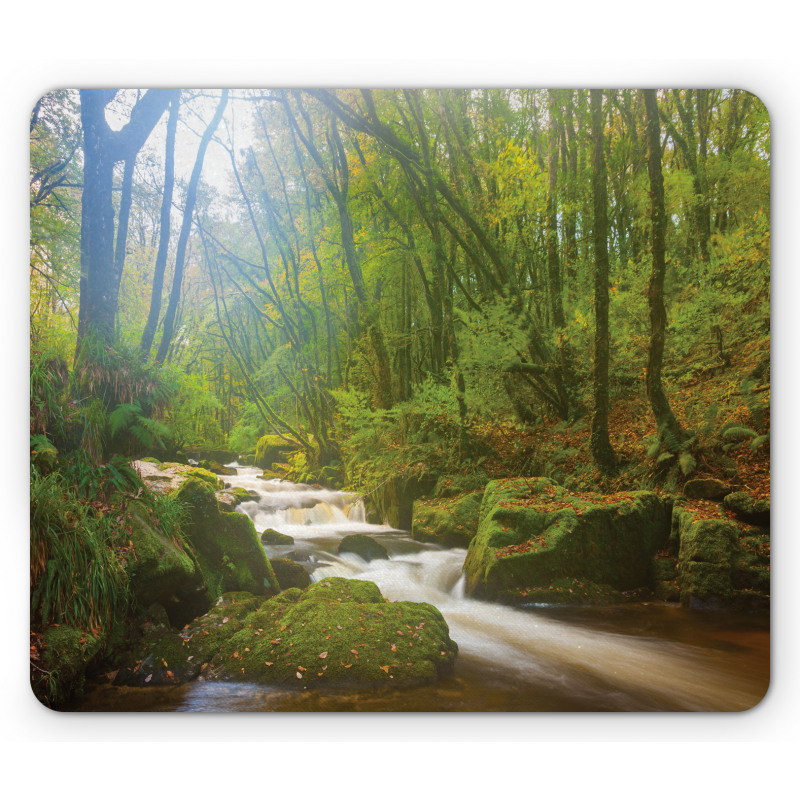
[{"x": 400, "y": 400}]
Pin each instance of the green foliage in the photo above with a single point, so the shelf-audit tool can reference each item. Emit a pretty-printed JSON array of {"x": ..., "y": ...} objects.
[
  {"x": 759, "y": 441},
  {"x": 687, "y": 463},
  {"x": 44, "y": 455},
  {"x": 76, "y": 578},
  {"x": 128, "y": 423},
  {"x": 737, "y": 433},
  {"x": 170, "y": 513},
  {"x": 91, "y": 481},
  {"x": 190, "y": 415},
  {"x": 49, "y": 377},
  {"x": 423, "y": 436}
]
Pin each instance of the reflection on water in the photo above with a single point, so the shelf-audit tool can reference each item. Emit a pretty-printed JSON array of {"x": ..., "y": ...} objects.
[{"x": 645, "y": 657}]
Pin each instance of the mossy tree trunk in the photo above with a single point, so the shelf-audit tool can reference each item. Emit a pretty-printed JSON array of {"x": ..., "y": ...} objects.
[{"x": 669, "y": 429}]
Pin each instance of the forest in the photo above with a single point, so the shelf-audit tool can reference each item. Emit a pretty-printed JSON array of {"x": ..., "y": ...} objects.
[{"x": 491, "y": 319}]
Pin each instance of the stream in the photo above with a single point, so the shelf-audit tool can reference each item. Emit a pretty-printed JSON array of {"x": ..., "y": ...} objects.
[{"x": 634, "y": 657}]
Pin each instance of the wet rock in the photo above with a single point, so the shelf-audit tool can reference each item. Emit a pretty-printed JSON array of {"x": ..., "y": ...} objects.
[
  {"x": 163, "y": 570},
  {"x": 290, "y": 574},
  {"x": 226, "y": 544},
  {"x": 721, "y": 563},
  {"x": 532, "y": 533},
  {"x": 364, "y": 546},
  {"x": 216, "y": 467},
  {"x": 271, "y": 536}
]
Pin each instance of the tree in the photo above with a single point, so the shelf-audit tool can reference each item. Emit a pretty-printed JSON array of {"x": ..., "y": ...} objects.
[
  {"x": 602, "y": 451},
  {"x": 186, "y": 226},
  {"x": 669, "y": 429},
  {"x": 103, "y": 148}
]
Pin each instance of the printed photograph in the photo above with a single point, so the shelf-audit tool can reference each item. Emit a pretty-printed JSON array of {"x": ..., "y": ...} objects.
[{"x": 385, "y": 400}]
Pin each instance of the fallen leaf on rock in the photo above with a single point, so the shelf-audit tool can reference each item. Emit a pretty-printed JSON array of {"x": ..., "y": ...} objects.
[
  {"x": 324, "y": 655},
  {"x": 269, "y": 663}
]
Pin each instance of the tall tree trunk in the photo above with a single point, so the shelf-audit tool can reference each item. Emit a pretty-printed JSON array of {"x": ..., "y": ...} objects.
[
  {"x": 186, "y": 227},
  {"x": 567, "y": 384},
  {"x": 149, "y": 331},
  {"x": 122, "y": 226},
  {"x": 602, "y": 451},
  {"x": 669, "y": 430},
  {"x": 102, "y": 149}
]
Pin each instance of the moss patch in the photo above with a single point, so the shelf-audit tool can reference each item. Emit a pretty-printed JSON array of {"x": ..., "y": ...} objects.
[{"x": 448, "y": 522}]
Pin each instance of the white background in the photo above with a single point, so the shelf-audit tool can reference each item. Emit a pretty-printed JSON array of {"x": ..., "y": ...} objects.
[{"x": 48, "y": 45}]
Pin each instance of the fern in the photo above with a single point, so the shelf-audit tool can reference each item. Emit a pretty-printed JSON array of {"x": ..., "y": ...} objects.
[
  {"x": 129, "y": 419},
  {"x": 738, "y": 433},
  {"x": 759, "y": 441},
  {"x": 687, "y": 463},
  {"x": 43, "y": 453},
  {"x": 664, "y": 457},
  {"x": 652, "y": 451}
]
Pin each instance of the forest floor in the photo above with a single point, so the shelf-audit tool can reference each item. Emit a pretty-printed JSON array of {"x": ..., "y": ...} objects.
[{"x": 704, "y": 399}]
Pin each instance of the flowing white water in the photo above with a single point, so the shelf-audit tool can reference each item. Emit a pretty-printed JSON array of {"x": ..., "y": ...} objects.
[{"x": 521, "y": 647}]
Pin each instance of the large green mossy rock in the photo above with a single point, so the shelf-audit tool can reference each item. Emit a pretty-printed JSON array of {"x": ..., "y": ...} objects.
[
  {"x": 272, "y": 448},
  {"x": 722, "y": 563},
  {"x": 335, "y": 632},
  {"x": 272, "y": 537},
  {"x": 226, "y": 544},
  {"x": 533, "y": 533},
  {"x": 163, "y": 570},
  {"x": 449, "y": 522}
]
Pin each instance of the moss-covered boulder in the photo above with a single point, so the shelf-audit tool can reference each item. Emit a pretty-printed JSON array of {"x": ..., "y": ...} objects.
[
  {"x": 706, "y": 489},
  {"x": 273, "y": 537},
  {"x": 335, "y": 632},
  {"x": 229, "y": 497},
  {"x": 364, "y": 546},
  {"x": 206, "y": 476},
  {"x": 532, "y": 532},
  {"x": 290, "y": 574},
  {"x": 447, "y": 522},
  {"x": 226, "y": 544},
  {"x": 272, "y": 448},
  {"x": 162, "y": 569},
  {"x": 722, "y": 563},
  {"x": 216, "y": 467},
  {"x": 755, "y": 512}
]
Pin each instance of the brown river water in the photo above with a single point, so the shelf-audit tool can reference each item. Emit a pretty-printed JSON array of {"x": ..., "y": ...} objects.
[{"x": 634, "y": 657}]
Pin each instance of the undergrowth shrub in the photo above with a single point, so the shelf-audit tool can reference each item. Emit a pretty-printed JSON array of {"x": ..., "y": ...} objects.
[
  {"x": 423, "y": 436},
  {"x": 76, "y": 577}
]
